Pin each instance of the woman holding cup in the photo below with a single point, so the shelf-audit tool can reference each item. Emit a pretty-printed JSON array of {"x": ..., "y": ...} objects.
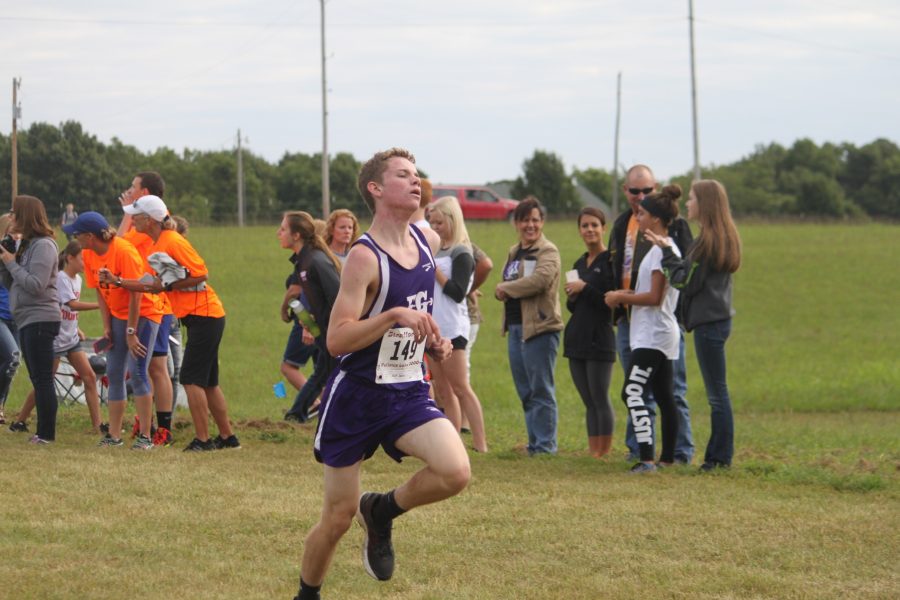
[{"x": 589, "y": 343}]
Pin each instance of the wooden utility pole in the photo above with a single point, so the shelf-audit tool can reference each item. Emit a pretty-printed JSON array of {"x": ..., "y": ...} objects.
[
  {"x": 615, "y": 170},
  {"x": 694, "y": 93},
  {"x": 326, "y": 191},
  {"x": 16, "y": 115}
]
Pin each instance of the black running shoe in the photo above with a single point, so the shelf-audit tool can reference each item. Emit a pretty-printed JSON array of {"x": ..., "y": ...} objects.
[
  {"x": 198, "y": 446},
  {"x": 18, "y": 427},
  {"x": 377, "y": 550},
  {"x": 231, "y": 442}
]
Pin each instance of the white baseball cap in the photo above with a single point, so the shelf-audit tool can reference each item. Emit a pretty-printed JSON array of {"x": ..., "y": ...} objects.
[{"x": 149, "y": 205}]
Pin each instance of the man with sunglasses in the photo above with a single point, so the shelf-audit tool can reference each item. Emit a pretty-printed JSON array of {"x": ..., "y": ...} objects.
[{"x": 627, "y": 248}]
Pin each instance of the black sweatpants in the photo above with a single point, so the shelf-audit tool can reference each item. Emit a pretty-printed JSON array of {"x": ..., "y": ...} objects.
[{"x": 650, "y": 370}]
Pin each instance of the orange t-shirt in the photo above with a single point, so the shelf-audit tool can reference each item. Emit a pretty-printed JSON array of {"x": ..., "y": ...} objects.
[
  {"x": 204, "y": 303},
  {"x": 123, "y": 260},
  {"x": 143, "y": 243}
]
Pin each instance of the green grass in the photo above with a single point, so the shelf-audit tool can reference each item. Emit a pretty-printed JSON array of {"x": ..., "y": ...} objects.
[{"x": 810, "y": 509}]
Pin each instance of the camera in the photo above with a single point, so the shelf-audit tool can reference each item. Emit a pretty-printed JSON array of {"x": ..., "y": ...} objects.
[{"x": 8, "y": 243}]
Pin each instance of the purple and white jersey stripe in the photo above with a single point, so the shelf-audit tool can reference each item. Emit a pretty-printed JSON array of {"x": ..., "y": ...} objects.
[{"x": 398, "y": 286}]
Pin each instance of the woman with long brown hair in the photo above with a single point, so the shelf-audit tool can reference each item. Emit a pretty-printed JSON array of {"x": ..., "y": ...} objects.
[
  {"x": 317, "y": 273},
  {"x": 589, "y": 342},
  {"x": 704, "y": 278},
  {"x": 30, "y": 275}
]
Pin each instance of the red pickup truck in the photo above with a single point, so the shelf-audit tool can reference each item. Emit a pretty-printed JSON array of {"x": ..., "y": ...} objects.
[{"x": 477, "y": 201}]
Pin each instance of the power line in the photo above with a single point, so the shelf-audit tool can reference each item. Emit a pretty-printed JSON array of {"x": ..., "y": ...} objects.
[{"x": 802, "y": 42}]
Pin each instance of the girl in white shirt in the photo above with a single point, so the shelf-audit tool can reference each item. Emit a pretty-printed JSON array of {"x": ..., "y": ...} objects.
[{"x": 654, "y": 335}]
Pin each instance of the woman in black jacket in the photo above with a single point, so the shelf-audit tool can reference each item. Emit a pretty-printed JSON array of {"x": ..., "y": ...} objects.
[
  {"x": 590, "y": 344},
  {"x": 704, "y": 278}
]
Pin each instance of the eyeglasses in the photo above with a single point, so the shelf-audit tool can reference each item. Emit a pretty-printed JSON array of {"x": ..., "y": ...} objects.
[{"x": 644, "y": 191}]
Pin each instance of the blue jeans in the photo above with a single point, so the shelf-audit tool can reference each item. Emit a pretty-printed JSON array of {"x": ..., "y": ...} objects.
[
  {"x": 709, "y": 344},
  {"x": 9, "y": 357},
  {"x": 684, "y": 444},
  {"x": 37, "y": 350},
  {"x": 532, "y": 363}
]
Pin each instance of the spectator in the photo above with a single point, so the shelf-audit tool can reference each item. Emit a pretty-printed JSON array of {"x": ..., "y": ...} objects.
[
  {"x": 589, "y": 343},
  {"x": 29, "y": 274},
  {"x": 317, "y": 272},
  {"x": 341, "y": 231},
  {"x": 200, "y": 310},
  {"x": 532, "y": 319},
  {"x": 654, "y": 335},
  {"x": 68, "y": 217},
  {"x": 454, "y": 273},
  {"x": 9, "y": 342},
  {"x": 131, "y": 321},
  {"x": 68, "y": 340},
  {"x": 627, "y": 247},
  {"x": 704, "y": 278}
]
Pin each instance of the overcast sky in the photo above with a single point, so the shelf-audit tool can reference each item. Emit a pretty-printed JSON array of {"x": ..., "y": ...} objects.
[{"x": 471, "y": 87}]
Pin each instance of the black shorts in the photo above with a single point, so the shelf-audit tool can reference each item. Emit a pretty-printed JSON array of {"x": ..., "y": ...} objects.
[
  {"x": 200, "y": 365},
  {"x": 459, "y": 343}
]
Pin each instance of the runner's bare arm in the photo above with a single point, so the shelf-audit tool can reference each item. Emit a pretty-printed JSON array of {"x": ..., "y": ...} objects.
[{"x": 359, "y": 283}]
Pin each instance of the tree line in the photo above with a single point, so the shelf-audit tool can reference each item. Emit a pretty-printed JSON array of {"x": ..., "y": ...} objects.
[{"x": 62, "y": 164}]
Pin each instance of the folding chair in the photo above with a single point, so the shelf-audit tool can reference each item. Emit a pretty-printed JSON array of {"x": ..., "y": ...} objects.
[{"x": 69, "y": 385}]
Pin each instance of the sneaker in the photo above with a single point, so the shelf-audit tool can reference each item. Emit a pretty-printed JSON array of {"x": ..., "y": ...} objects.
[
  {"x": 109, "y": 441},
  {"x": 377, "y": 550},
  {"x": 163, "y": 437},
  {"x": 38, "y": 441},
  {"x": 142, "y": 442},
  {"x": 642, "y": 467},
  {"x": 104, "y": 428},
  {"x": 229, "y": 443},
  {"x": 18, "y": 427},
  {"x": 198, "y": 446}
]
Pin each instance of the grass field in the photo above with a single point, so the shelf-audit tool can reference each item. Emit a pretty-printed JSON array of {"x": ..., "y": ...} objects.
[{"x": 810, "y": 509}]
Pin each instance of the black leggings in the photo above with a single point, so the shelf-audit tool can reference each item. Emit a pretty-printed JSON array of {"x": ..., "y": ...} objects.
[
  {"x": 650, "y": 370},
  {"x": 591, "y": 378}
]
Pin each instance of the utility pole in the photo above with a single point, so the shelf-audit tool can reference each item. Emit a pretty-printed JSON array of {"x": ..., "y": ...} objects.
[
  {"x": 326, "y": 191},
  {"x": 615, "y": 170},
  {"x": 694, "y": 93},
  {"x": 240, "y": 180},
  {"x": 14, "y": 142}
]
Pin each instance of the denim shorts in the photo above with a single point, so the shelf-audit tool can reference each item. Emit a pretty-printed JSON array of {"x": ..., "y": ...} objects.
[
  {"x": 161, "y": 347},
  {"x": 297, "y": 353}
]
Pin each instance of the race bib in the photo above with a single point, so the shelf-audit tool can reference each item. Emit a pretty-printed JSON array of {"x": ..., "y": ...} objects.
[{"x": 400, "y": 357}]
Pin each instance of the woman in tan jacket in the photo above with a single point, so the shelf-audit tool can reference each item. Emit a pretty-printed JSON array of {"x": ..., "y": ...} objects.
[{"x": 533, "y": 320}]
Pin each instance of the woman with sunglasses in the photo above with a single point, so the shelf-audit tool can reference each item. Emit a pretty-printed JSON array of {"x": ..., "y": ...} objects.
[
  {"x": 704, "y": 278},
  {"x": 30, "y": 275}
]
